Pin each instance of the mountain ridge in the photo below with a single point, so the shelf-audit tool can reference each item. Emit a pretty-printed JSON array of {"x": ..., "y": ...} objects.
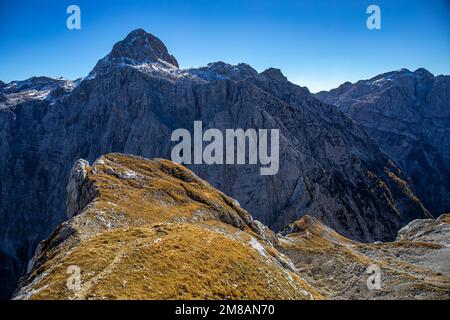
[{"x": 329, "y": 167}]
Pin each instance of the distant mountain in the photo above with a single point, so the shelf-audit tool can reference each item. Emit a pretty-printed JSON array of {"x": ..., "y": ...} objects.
[
  {"x": 163, "y": 233},
  {"x": 34, "y": 89},
  {"x": 408, "y": 115},
  {"x": 132, "y": 101}
]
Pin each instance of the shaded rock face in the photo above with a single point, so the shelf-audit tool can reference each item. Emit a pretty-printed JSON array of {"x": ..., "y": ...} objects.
[
  {"x": 329, "y": 167},
  {"x": 408, "y": 115}
]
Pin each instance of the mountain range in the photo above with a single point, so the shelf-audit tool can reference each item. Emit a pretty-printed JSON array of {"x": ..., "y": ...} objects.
[{"x": 333, "y": 166}]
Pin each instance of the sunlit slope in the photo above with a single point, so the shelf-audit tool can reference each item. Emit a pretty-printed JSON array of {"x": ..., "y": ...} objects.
[{"x": 151, "y": 229}]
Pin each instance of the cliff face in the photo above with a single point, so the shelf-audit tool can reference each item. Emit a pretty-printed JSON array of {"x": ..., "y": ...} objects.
[
  {"x": 408, "y": 115},
  {"x": 132, "y": 101},
  {"x": 151, "y": 229}
]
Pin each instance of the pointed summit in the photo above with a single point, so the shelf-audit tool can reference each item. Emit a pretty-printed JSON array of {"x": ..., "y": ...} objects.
[
  {"x": 422, "y": 72},
  {"x": 138, "y": 47},
  {"x": 141, "y": 46},
  {"x": 274, "y": 74}
]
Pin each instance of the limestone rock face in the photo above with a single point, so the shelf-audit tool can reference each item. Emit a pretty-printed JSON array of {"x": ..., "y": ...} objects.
[
  {"x": 77, "y": 197},
  {"x": 408, "y": 115},
  {"x": 131, "y": 103}
]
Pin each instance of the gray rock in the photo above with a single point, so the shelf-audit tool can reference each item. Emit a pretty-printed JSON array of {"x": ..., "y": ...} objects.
[{"x": 75, "y": 198}]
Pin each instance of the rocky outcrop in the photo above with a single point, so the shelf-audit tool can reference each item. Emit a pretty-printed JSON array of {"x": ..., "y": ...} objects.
[
  {"x": 408, "y": 115},
  {"x": 433, "y": 231},
  {"x": 131, "y": 103},
  {"x": 79, "y": 194}
]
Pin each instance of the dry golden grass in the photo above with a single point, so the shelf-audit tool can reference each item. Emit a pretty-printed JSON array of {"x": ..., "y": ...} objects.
[
  {"x": 446, "y": 218},
  {"x": 170, "y": 261},
  {"x": 156, "y": 231}
]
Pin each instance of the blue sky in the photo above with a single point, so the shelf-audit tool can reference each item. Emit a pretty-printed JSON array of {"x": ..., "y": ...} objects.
[{"x": 318, "y": 44}]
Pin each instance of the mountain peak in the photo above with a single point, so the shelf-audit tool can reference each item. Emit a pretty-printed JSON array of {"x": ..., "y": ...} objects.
[
  {"x": 140, "y": 46},
  {"x": 423, "y": 72},
  {"x": 420, "y": 72},
  {"x": 274, "y": 74}
]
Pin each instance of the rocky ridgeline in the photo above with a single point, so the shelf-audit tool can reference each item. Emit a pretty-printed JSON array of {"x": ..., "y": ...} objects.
[
  {"x": 132, "y": 101},
  {"x": 151, "y": 229}
]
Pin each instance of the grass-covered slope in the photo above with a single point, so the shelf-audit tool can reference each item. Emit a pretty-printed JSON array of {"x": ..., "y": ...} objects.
[{"x": 151, "y": 229}]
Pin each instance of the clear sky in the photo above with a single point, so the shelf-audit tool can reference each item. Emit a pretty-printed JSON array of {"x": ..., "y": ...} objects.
[{"x": 316, "y": 43}]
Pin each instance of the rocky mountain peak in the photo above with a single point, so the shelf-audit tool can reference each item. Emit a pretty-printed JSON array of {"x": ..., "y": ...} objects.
[
  {"x": 329, "y": 168},
  {"x": 424, "y": 73},
  {"x": 36, "y": 88},
  {"x": 406, "y": 112},
  {"x": 274, "y": 74},
  {"x": 138, "y": 47},
  {"x": 141, "y": 46},
  {"x": 399, "y": 76}
]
